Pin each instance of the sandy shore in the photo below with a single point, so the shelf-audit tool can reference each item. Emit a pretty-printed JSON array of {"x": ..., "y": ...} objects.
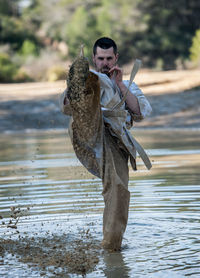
[{"x": 174, "y": 96}]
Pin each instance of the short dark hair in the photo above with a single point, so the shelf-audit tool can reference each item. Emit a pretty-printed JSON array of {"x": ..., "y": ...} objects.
[{"x": 104, "y": 43}]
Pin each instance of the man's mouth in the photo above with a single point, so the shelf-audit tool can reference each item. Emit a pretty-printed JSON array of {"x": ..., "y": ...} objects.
[{"x": 105, "y": 70}]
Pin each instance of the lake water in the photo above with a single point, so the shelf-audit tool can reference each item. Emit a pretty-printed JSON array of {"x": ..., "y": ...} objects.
[{"x": 48, "y": 201}]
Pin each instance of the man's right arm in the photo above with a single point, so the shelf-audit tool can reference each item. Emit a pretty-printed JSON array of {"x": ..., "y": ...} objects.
[{"x": 64, "y": 104}]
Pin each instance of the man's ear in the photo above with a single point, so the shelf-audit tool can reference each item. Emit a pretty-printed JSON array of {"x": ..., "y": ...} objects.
[
  {"x": 117, "y": 56},
  {"x": 93, "y": 58}
]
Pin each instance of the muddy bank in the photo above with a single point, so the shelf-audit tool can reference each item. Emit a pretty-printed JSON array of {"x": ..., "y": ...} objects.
[
  {"x": 175, "y": 110},
  {"x": 174, "y": 96}
]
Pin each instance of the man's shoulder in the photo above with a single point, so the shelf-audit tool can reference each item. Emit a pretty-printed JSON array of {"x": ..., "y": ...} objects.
[
  {"x": 103, "y": 78},
  {"x": 101, "y": 75}
]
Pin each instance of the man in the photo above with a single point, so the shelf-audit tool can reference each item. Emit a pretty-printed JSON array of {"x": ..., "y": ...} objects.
[{"x": 99, "y": 131}]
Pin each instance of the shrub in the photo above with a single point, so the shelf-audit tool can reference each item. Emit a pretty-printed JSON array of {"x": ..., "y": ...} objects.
[
  {"x": 8, "y": 69},
  {"x": 56, "y": 73},
  {"x": 28, "y": 48},
  {"x": 39, "y": 68},
  {"x": 195, "y": 48},
  {"x": 22, "y": 76}
]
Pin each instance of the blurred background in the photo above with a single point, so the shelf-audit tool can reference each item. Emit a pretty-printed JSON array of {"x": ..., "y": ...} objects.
[{"x": 39, "y": 39}]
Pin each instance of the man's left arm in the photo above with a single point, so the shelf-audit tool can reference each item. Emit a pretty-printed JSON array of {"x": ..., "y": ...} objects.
[
  {"x": 145, "y": 107},
  {"x": 136, "y": 102},
  {"x": 131, "y": 100}
]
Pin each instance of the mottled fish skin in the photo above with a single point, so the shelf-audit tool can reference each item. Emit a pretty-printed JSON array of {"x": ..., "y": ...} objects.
[
  {"x": 84, "y": 98},
  {"x": 76, "y": 79}
]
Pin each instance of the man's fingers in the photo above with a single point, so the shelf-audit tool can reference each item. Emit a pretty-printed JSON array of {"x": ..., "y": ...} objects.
[
  {"x": 115, "y": 69},
  {"x": 111, "y": 70}
]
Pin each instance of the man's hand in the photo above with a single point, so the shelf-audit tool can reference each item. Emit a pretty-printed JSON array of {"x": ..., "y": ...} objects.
[{"x": 116, "y": 73}]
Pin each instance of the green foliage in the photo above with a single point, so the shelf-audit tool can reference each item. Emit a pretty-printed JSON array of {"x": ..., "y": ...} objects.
[
  {"x": 80, "y": 30},
  {"x": 22, "y": 76},
  {"x": 170, "y": 26},
  {"x": 12, "y": 31},
  {"x": 104, "y": 18},
  {"x": 56, "y": 72},
  {"x": 29, "y": 48},
  {"x": 8, "y": 70},
  {"x": 76, "y": 29},
  {"x": 100, "y": 18},
  {"x": 9, "y": 7},
  {"x": 160, "y": 33},
  {"x": 195, "y": 48},
  {"x": 14, "y": 26}
]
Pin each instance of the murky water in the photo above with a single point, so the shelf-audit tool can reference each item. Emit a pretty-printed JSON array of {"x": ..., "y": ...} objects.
[{"x": 57, "y": 198}]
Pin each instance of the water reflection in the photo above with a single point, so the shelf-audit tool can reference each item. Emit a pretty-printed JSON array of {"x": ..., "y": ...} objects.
[
  {"x": 39, "y": 171},
  {"x": 115, "y": 265}
]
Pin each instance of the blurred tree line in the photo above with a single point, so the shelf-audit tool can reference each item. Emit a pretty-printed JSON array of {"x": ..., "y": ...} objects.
[{"x": 37, "y": 37}]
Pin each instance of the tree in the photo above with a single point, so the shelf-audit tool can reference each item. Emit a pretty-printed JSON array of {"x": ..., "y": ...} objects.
[
  {"x": 195, "y": 48},
  {"x": 8, "y": 70},
  {"x": 13, "y": 30},
  {"x": 9, "y": 7},
  {"x": 170, "y": 28}
]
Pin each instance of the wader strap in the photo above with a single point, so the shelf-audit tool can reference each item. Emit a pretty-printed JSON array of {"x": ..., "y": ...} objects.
[
  {"x": 135, "y": 69},
  {"x": 140, "y": 151}
]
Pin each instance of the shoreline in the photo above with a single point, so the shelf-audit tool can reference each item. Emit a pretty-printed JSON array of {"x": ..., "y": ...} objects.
[
  {"x": 65, "y": 130},
  {"x": 174, "y": 97}
]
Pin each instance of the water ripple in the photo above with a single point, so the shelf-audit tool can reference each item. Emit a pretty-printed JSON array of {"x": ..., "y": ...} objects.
[{"x": 58, "y": 195}]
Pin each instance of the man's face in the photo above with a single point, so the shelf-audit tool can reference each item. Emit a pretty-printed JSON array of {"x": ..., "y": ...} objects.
[{"x": 104, "y": 59}]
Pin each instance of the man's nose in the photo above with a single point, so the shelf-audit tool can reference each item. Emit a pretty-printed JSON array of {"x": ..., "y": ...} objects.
[{"x": 105, "y": 62}]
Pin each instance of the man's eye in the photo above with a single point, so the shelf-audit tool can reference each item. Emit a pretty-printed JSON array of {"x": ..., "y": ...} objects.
[
  {"x": 100, "y": 58},
  {"x": 109, "y": 58}
]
